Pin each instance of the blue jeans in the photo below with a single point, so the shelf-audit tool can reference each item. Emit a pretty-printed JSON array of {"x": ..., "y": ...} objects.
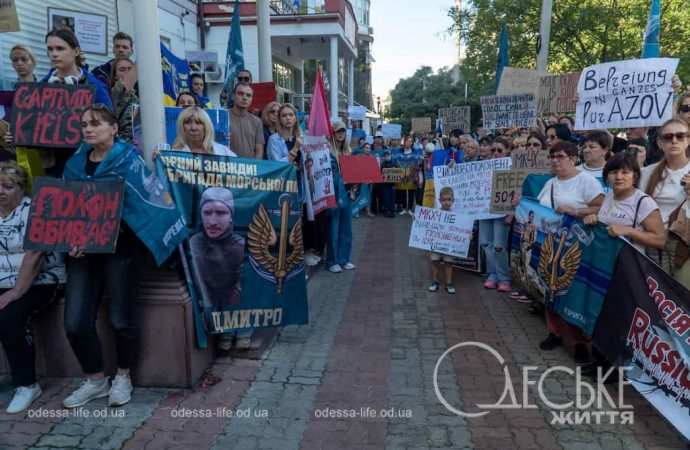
[
  {"x": 339, "y": 245},
  {"x": 493, "y": 238}
]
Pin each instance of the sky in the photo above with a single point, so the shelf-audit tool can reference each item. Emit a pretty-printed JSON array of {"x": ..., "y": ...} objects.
[{"x": 408, "y": 34}]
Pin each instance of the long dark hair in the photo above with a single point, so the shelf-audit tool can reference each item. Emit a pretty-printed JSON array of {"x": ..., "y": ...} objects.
[
  {"x": 657, "y": 175},
  {"x": 70, "y": 38}
]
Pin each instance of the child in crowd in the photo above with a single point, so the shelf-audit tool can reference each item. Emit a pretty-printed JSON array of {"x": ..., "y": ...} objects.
[{"x": 438, "y": 261}]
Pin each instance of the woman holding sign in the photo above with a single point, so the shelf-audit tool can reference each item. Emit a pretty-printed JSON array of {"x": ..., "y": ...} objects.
[
  {"x": 29, "y": 280},
  {"x": 577, "y": 194}
]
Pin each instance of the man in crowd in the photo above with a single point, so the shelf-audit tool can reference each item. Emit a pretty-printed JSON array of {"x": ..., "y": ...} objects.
[
  {"x": 123, "y": 47},
  {"x": 247, "y": 136},
  {"x": 197, "y": 81}
]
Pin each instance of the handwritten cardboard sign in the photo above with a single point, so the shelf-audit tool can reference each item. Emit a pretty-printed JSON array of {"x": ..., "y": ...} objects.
[
  {"x": 534, "y": 161},
  {"x": 515, "y": 80},
  {"x": 626, "y": 94},
  {"x": 471, "y": 183},
  {"x": 506, "y": 186},
  {"x": 507, "y": 111},
  {"x": 455, "y": 117},
  {"x": 68, "y": 214},
  {"x": 359, "y": 169},
  {"x": 49, "y": 114},
  {"x": 393, "y": 175},
  {"x": 421, "y": 125},
  {"x": 441, "y": 231},
  {"x": 557, "y": 93}
]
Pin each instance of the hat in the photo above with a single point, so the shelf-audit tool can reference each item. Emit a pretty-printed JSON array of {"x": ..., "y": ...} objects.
[
  {"x": 378, "y": 134},
  {"x": 218, "y": 194},
  {"x": 339, "y": 125},
  {"x": 429, "y": 148}
]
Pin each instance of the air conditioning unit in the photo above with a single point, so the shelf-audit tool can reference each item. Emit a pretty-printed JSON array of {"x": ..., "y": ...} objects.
[{"x": 205, "y": 63}]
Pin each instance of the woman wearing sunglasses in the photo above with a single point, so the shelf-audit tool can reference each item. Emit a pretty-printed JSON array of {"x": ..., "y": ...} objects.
[
  {"x": 683, "y": 108},
  {"x": 269, "y": 119},
  {"x": 668, "y": 183}
]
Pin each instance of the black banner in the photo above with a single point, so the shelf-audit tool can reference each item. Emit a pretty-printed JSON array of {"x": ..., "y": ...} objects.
[
  {"x": 68, "y": 214},
  {"x": 645, "y": 324},
  {"x": 48, "y": 114}
]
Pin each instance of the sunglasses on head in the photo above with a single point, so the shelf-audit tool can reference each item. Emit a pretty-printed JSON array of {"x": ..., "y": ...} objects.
[{"x": 668, "y": 137}]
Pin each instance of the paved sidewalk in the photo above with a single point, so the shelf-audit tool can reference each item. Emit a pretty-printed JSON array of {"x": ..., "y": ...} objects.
[{"x": 358, "y": 376}]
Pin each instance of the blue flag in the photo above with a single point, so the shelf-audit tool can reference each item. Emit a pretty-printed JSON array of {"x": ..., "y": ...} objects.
[
  {"x": 650, "y": 45},
  {"x": 502, "y": 54},
  {"x": 175, "y": 76},
  {"x": 234, "y": 57}
]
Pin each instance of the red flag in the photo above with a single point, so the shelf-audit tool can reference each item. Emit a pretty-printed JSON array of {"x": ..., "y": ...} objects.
[{"x": 319, "y": 118}]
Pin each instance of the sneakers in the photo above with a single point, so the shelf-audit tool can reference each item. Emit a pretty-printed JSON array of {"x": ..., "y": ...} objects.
[
  {"x": 489, "y": 284},
  {"x": 120, "y": 391},
  {"x": 433, "y": 287},
  {"x": 552, "y": 341},
  {"x": 311, "y": 259},
  {"x": 403, "y": 212},
  {"x": 24, "y": 396},
  {"x": 349, "y": 266},
  {"x": 89, "y": 390},
  {"x": 411, "y": 212},
  {"x": 504, "y": 286},
  {"x": 450, "y": 288},
  {"x": 335, "y": 268}
]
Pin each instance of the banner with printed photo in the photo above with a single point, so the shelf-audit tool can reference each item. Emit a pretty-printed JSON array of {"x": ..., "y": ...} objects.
[
  {"x": 246, "y": 250},
  {"x": 645, "y": 325},
  {"x": 441, "y": 231},
  {"x": 471, "y": 183},
  {"x": 508, "y": 111},
  {"x": 626, "y": 94},
  {"x": 562, "y": 261},
  {"x": 317, "y": 175}
]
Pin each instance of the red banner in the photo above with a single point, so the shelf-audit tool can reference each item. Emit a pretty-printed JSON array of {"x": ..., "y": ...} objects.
[
  {"x": 264, "y": 93},
  {"x": 360, "y": 169}
]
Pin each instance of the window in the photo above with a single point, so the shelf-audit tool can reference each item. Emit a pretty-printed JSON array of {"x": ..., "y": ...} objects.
[{"x": 284, "y": 76}]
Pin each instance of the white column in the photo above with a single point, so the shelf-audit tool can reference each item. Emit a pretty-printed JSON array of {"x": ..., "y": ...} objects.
[
  {"x": 333, "y": 77},
  {"x": 300, "y": 104},
  {"x": 350, "y": 83},
  {"x": 545, "y": 35},
  {"x": 263, "y": 29},
  {"x": 146, "y": 36}
]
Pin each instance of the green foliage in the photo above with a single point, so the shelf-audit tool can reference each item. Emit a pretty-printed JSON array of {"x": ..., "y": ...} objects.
[
  {"x": 583, "y": 32},
  {"x": 422, "y": 94}
]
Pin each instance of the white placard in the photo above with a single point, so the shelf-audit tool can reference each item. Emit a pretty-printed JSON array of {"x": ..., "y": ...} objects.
[
  {"x": 441, "y": 231},
  {"x": 391, "y": 130},
  {"x": 625, "y": 94},
  {"x": 471, "y": 183},
  {"x": 508, "y": 111},
  {"x": 91, "y": 29},
  {"x": 356, "y": 112}
]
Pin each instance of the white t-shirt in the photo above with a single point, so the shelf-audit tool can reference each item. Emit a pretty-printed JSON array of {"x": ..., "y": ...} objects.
[
  {"x": 218, "y": 150},
  {"x": 576, "y": 192},
  {"x": 669, "y": 194},
  {"x": 12, "y": 231},
  {"x": 622, "y": 212},
  {"x": 596, "y": 173}
]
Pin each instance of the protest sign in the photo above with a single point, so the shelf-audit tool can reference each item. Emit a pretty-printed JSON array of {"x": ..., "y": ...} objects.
[
  {"x": 557, "y": 93},
  {"x": 68, "y": 214},
  {"x": 316, "y": 164},
  {"x": 507, "y": 111},
  {"x": 9, "y": 21},
  {"x": 471, "y": 183},
  {"x": 48, "y": 114},
  {"x": 644, "y": 326},
  {"x": 356, "y": 112},
  {"x": 515, "y": 80},
  {"x": 357, "y": 169},
  {"x": 421, "y": 125},
  {"x": 441, "y": 231},
  {"x": 626, "y": 94},
  {"x": 220, "y": 119},
  {"x": 535, "y": 161},
  {"x": 564, "y": 262},
  {"x": 391, "y": 130},
  {"x": 246, "y": 250},
  {"x": 393, "y": 175},
  {"x": 505, "y": 188},
  {"x": 455, "y": 117}
]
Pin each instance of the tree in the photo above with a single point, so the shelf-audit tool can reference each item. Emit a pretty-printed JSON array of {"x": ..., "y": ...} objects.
[
  {"x": 422, "y": 94},
  {"x": 583, "y": 32}
]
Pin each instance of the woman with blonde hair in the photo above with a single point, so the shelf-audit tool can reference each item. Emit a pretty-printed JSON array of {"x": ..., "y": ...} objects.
[
  {"x": 24, "y": 63},
  {"x": 269, "y": 119},
  {"x": 195, "y": 134},
  {"x": 285, "y": 143}
]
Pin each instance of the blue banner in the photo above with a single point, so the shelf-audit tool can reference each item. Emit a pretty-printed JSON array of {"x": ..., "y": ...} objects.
[
  {"x": 563, "y": 261},
  {"x": 175, "y": 76},
  {"x": 245, "y": 251}
]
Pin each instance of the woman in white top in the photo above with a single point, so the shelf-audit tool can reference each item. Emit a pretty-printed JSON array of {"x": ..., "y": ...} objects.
[
  {"x": 597, "y": 150},
  {"x": 577, "y": 194},
  {"x": 285, "y": 143},
  {"x": 628, "y": 211},
  {"x": 662, "y": 181},
  {"x": 195, "y": 134}
]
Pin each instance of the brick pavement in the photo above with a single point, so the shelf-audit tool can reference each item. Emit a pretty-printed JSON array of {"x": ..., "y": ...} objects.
[{"x": 373, "y": 342}]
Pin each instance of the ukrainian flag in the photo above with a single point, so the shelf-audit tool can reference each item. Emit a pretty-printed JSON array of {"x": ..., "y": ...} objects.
[{"x": 175, "y": 76}]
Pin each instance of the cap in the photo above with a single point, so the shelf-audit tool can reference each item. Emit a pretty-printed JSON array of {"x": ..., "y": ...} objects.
[
  {"x": 378, "y": 134},
  {"x": 339, "y": 125}
]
